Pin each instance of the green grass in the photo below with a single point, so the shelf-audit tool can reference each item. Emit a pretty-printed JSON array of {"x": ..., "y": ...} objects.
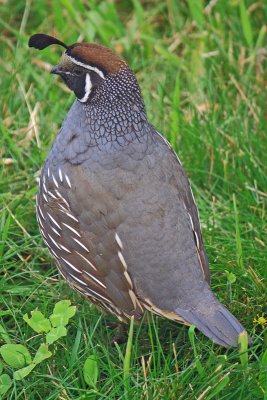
[{"x": 202, "y": 70}]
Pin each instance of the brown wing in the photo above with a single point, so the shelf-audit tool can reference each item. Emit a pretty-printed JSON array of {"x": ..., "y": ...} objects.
[{"x": 88, "y": 251}]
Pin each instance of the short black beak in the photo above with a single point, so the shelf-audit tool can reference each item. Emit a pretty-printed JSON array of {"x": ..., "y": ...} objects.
[{"x": 56, "y": 70}]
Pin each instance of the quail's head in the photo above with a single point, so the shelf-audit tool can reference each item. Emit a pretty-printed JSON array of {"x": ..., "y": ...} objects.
[{"x": 84, "y": 66}]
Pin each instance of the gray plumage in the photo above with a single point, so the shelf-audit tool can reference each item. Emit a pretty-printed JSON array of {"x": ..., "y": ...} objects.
[{"x": 116, "y": 210}]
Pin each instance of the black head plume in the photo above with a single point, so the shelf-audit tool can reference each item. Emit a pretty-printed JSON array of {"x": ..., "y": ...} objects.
[{"x": 40, "y": 41}]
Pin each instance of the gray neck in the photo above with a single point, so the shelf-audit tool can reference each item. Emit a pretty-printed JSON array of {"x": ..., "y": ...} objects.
[{"x": 115, "y": 117}]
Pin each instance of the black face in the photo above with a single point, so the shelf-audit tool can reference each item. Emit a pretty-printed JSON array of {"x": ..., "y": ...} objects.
[
  {"x": 81, "y": 81},
  {"x": 75, "y": 81}
]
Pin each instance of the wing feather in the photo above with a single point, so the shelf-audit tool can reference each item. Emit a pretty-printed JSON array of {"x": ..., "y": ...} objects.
[{"x": 88, "y": 254}]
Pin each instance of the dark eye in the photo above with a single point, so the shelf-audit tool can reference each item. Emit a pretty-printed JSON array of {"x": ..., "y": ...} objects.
[{"x": 78, "y": 71}]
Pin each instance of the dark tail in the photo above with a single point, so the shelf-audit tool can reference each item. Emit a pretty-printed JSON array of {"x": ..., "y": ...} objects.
[{"x": 214, "y": 320}]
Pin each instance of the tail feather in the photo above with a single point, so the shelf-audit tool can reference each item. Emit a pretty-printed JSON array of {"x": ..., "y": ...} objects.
[{"x": 214, "y": 320}]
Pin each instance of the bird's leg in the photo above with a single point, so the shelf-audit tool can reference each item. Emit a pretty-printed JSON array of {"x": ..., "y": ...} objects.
[{"x": 120, "y": 333}]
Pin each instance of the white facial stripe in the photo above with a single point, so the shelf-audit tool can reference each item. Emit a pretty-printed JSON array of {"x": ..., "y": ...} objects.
[
  {"x": 87, "y": 90},
  {"x": 86, "y": 66}
]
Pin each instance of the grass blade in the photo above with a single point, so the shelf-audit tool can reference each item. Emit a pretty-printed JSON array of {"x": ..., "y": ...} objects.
[
  {"x": 238, "y": 238},
  {"x": 191, "y": 334},
  {"x": 245, "y": 23},
  {"x": 220, "y": 386},
  {"x": 175, "y": 113},
  {"x": 127, "y": 358},
  {"x": 243, "y": 349},
  {"x": 197, "y": 11}
]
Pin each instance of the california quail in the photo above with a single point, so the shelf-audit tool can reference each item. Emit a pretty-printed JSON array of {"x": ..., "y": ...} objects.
[{"x": 115, "y": 207}]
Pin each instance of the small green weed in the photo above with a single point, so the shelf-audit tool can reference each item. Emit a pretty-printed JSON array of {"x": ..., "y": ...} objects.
[{"x": 17, "y": 356}]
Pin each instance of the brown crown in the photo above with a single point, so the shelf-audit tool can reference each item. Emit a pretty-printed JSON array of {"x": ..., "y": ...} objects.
[{"x": 95, "y": 54}]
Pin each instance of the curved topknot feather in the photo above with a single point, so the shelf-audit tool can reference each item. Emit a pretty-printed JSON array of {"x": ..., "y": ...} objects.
[{"x": 40, "y": 41}]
